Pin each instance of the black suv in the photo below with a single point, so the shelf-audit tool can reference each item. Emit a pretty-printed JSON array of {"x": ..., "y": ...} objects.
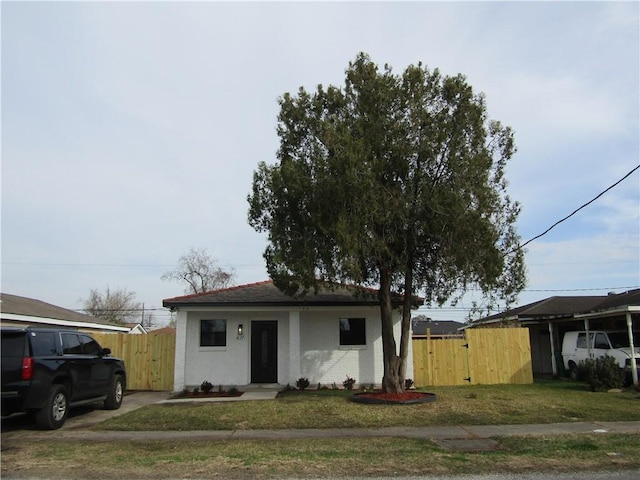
[{"x": 45, "y": 371}]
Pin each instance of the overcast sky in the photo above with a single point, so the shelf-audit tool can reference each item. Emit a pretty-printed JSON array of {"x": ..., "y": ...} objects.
[{"x": 130, "y": 131}]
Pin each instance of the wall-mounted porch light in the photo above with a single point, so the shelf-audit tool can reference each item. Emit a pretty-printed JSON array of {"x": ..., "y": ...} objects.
[{"x": 240, "y": 329}]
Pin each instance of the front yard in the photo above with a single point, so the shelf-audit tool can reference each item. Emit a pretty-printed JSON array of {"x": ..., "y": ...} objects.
[
  {"x": 543, "y": 402},
  {"x": 547, "y": 401}
]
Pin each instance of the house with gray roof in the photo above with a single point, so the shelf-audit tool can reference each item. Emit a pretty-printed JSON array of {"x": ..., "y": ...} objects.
[
  {"x": 549, "y": 319},
  {"x": 255, "y": 334},
  {"x": 19, "y": 311}
]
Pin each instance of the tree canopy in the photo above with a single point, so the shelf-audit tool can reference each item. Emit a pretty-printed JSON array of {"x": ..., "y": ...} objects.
[
  {"x": 395, "y": 181},
  {"x": 199, "y": 272},
  {"x": 116, "y": 306}
]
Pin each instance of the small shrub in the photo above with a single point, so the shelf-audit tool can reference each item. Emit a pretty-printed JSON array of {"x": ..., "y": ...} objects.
[
  {"x": 220, "y": 389},
  {"x": 349, "y": 383},
  {"x": 408, "y": 383},
  {"x": 234, "y": 391},
  {"x": 206, "y": 386},
  {"x": 196, "y": 390},
  {"x": 302, "y": 383},
  {"x": 602, "y": 373}
]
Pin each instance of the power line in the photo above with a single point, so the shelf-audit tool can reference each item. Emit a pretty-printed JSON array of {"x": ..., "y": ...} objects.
[{"x": 574, "y": 212}]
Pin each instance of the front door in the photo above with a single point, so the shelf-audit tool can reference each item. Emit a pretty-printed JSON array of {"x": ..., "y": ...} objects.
[{"x": 264, "y": 352}]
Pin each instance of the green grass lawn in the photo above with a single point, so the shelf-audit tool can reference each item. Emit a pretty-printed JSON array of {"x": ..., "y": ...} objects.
[
  {"x": 542, "y": 402},
  {"x": 313, "y": 458},
  {"x": 547, "y": 401}
]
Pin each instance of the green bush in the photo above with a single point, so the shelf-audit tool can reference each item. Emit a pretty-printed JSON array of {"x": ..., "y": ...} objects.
[
  {"x": 206, "y": 386},
  {"x": 601, "y": 373},
  {"x": 349, "y": 383},
  {"x": 302, "y": 383}
]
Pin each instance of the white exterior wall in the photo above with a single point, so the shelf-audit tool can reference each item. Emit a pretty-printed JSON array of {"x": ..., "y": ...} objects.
[
  {"x": 325, "y": 361},
  {"x": 310, "y": 348}
]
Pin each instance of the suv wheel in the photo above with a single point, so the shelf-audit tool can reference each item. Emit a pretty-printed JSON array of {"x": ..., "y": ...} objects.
[
  {"x": 56, "y": 409},
  {"x": 115, "y": 393}
]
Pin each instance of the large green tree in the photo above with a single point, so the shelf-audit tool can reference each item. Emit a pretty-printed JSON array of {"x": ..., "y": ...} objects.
[{"x": 395, "y": 181}]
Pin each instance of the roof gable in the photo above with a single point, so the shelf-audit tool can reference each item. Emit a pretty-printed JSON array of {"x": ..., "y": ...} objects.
[{"x": 266, "y": 294}]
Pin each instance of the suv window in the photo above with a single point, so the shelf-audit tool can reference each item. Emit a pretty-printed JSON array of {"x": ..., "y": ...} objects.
[
  {"x": 43, "y": 343},
  {"x": 90, "y": 346},
  {"x": 71, "y": 344},
  {"x": 12, "y": 345}
]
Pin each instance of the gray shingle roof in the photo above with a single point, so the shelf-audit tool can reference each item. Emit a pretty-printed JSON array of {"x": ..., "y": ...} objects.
[
  {"x": 266, "y": 294},
  {"x": 568, "y": 306},
  {"x": 37, "y": 308}
]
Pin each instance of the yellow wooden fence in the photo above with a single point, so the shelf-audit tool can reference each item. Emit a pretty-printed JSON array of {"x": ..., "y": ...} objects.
[
  {"x": 484, "y": 356},
  {"x": 148, "y": 358}
]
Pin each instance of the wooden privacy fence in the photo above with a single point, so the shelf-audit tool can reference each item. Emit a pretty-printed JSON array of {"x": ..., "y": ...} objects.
[
  {"x": 148, "y": 358},
  {"x": 484, "y": 356}
]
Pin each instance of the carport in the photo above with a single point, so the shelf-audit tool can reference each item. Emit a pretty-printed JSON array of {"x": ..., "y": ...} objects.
[
  {"x": 627, "y": 312},
  {"x": 549, "y": 319}
]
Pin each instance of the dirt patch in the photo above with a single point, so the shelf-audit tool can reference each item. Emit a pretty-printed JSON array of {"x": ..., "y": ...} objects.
[{"x": 469, "y": 445}]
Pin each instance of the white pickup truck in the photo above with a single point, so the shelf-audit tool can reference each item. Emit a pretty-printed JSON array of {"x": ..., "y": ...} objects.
[{"x": 613, "y": 344}]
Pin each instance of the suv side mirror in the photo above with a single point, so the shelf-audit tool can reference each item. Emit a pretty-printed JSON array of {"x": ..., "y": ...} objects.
[{"x": 106, "y": 351}]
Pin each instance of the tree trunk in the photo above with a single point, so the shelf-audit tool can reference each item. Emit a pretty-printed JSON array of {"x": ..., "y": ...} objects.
[
  {"x": 391, "y": 380},
  {"x": 405, "y": 335}
]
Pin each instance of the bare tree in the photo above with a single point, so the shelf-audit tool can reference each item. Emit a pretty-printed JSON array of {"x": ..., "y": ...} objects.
[
  {"x": 115, "y": 306},
  {"x": 200, "y": 272}
]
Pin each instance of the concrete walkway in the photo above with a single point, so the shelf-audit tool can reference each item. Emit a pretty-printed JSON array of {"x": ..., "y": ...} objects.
[{"x": 432, "y": 433}]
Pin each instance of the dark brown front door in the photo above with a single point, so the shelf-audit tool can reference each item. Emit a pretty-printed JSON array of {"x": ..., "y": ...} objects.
[{"x": 264, "y": 352}]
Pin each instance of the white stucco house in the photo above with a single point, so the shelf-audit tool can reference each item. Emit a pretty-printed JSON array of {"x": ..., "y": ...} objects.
[{"x": 255, "y": 334}]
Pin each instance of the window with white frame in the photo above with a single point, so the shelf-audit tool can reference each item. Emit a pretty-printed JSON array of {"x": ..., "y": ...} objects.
[
  {"x": 352, "y": 331},
  {"x": 213, "y": 333}
]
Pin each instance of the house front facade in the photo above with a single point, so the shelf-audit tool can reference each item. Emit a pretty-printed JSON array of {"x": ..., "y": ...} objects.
[{"x": 256, "y": 335}]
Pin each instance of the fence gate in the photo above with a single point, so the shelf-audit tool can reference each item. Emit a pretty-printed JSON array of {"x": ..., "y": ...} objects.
[
  {"x": 484, "y": 356},
  {"x": 148, "y": 358}
]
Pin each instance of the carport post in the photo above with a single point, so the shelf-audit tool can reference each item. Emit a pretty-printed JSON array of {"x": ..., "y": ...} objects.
[
  {"x": 554, "y": 367},
  {"x": 634, "y": 366},
  {"x": 586, "y": 327}
]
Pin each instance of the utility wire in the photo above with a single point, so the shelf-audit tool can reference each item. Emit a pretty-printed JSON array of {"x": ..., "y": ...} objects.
[{"x": 574, "y": 212}]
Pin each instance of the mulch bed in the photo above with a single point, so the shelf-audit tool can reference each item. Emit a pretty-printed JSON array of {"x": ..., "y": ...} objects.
[
  {"x": 205, "y": 395},
  {"x": 406, "y": 398}
]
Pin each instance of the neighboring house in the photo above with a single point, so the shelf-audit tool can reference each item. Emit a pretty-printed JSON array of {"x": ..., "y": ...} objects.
[
  {"x": 23, "y": 312},
  {"x": 422, "y": 325},
  {"x": 255, "y": 334},
  {"x": 549, "y": 319},
  {"x": 163, "y": 331},
  {"x": 136, "y": 328}
]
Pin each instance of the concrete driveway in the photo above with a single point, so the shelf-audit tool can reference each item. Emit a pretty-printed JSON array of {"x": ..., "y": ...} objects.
[{"x": 88, "y": 415}]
